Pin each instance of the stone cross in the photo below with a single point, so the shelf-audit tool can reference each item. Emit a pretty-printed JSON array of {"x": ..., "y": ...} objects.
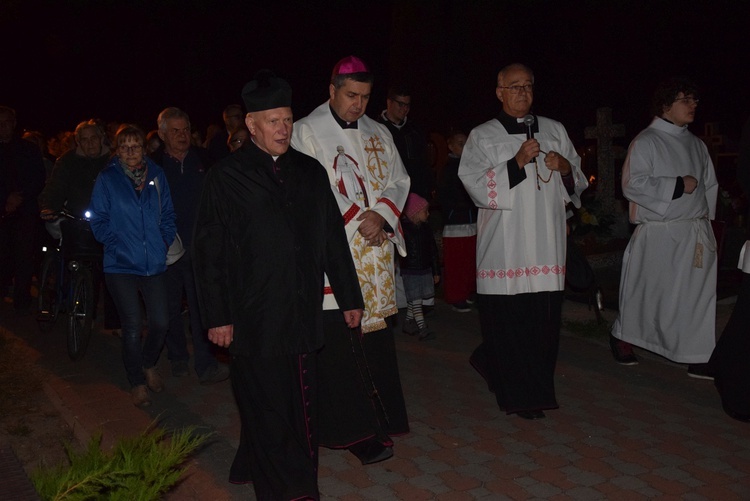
[{"x": 604, "y": 132}]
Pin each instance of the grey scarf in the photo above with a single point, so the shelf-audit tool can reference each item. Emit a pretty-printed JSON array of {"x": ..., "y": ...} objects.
[{"x": 137, "y": 175}]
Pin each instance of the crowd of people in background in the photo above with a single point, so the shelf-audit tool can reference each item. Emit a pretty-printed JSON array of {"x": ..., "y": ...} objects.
[{"x": 298, "y": 263}]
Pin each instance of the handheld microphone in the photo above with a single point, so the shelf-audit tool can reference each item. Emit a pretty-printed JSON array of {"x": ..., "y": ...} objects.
[{"x": 528, "y": 121}]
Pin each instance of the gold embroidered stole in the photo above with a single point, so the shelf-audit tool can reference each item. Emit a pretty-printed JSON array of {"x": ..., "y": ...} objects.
[{"x": 375, "y": 265}]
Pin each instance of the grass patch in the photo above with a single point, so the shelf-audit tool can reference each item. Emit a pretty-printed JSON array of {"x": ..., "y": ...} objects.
[
  {"x": 588, "y": 328},
  {"x": 143, "y": 468}
]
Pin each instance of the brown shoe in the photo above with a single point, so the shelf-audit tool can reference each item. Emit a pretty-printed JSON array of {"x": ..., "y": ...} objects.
[
  {"x": 153, "y": 379},
  {"x": 140, "y": 396}
]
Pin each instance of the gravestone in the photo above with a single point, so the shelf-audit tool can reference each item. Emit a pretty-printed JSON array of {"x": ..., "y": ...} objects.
[{"x": 604, "y": 132}]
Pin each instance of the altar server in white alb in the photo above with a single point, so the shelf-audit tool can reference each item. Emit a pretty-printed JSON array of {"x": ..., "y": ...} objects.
[
  {"x": 668, "y": 281},
  {"x": 370, "y": 183},
  {"x": 521, "y": 170}
]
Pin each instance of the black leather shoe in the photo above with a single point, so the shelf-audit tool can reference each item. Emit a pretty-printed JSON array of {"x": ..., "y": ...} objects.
[
  {"x": 532, "y": 415},
  {"x": 371, "y": 451},
  {"x": 745, "y": 418},
  {"x": 700, "y": 371}
]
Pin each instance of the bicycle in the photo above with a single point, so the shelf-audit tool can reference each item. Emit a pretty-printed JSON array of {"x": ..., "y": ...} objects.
[{"x": 66, "y": 283}]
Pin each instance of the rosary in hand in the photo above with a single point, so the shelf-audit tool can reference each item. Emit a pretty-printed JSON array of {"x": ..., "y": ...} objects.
[{"x": 538, "y": 177}]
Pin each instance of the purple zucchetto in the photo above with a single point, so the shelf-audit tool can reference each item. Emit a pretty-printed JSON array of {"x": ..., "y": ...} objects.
[
  {"x": 266, "y": 92},
  {"x": 348, "y": 65}
]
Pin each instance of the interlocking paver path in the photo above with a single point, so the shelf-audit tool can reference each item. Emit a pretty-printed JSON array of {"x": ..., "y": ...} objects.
[{"x": 641, "y": 432}]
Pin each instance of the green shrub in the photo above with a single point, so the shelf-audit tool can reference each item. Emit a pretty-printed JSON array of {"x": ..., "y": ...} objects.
[{"x": 141, "y": 468}]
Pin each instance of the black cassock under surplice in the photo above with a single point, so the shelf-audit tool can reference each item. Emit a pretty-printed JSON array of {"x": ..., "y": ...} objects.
[
  {"x": 518, "y": 354},
  {"x": 358, "y": 394}
]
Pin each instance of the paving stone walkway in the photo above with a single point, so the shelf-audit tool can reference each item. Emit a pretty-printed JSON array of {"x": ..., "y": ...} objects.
[{"x": 641, "y": 432}]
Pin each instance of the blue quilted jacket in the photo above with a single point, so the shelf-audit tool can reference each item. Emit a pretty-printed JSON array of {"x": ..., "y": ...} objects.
[{"x": 135, "y": 229}]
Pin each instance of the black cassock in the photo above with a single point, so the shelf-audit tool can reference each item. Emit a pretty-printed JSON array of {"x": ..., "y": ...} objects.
[
  {"x": 266, "y": 232},
  {"x": 518, "y": 354},
  {"x": 729, "y": 361}
]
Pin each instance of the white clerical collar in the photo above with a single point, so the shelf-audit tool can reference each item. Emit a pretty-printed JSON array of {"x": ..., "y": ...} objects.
[
  {"x": 399, "y": 125},
  {"x": 275, "y": 157},
  {"x": 343, "y": 123}
]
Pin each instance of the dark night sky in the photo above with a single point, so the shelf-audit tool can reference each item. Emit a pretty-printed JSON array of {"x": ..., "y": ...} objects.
[{"x": 126, "y": 60}]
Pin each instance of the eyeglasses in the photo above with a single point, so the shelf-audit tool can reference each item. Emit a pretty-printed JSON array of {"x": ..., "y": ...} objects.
[
  {"x": 516, "y": 89},
  {"x": 131, "y": 149},
  {"x": 401, "y": 104},
  {"x": 689, "y": 100}
]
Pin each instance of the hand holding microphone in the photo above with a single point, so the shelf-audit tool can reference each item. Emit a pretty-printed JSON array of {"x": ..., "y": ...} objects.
[{"x": 530, "y": 148}]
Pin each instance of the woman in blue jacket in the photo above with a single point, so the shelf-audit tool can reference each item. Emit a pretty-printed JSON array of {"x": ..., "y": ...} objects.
[{"x": 132, "y": 216}]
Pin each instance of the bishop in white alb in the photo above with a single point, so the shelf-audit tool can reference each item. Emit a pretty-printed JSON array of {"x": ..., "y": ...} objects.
[{"x": 361, "y": 400}]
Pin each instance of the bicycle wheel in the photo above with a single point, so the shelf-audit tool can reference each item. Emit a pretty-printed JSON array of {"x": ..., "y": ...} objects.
[
  {"x": 81, "y": 315},
  {"x": 48, "y": 302}
]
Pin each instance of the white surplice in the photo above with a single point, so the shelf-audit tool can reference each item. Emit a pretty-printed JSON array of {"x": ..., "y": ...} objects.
[
  {"x": 668, "y": 281},
  {"x": 366, "y": 173},
  {"x": 521, "y": 230}
]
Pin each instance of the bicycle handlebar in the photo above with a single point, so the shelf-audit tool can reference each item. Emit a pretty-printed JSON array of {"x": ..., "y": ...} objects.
[{"x": 65, "y": 213}]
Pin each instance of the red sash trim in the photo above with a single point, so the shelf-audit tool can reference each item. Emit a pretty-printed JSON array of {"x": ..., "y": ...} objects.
[
  {"x": 391, "y": 205},
  {"x": 349, "y": 215}
]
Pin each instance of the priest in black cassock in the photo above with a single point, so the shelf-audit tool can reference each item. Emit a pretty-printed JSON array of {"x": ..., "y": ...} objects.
[{"x": 268, "y": 228}]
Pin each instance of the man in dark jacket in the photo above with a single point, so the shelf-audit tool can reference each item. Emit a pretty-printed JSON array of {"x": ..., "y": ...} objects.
[
  {"x": 75, "y": 172},
  {"x": 409, "y": 139},
  {"x": 21, "y": 179},
  {"x": 268, "y": 228},
  {"x": 185, "y": 167},
  {"x": 217, "y": 145},
  {"x": 411, "y": 143},
  {"x": 70, "y": 187}
]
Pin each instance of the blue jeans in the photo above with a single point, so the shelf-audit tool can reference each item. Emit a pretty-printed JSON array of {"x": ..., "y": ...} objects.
[
  {"x": 180, "y": 277},
  {"x": 125, "y": 289}
]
